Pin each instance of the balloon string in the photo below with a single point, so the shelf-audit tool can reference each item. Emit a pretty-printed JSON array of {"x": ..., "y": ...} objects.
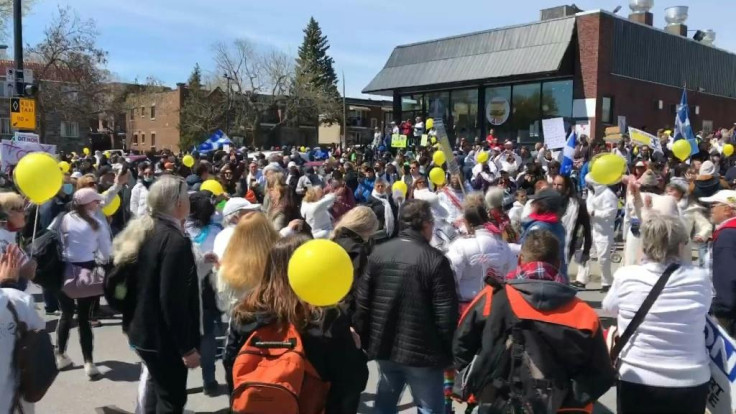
[{"x": 35, "y": 226}]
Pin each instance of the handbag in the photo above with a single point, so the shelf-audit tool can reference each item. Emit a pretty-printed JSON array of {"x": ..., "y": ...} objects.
[
  {"x": 83, "y": 281},
  {"x": 33, "y": 359},
  {"x": 616, "y": 345}
]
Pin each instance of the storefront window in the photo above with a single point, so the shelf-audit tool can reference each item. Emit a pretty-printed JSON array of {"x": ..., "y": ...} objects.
[
  {"x": 557, "y": 99},
  {"x": 526, "y": 112},
  {"x": 465, "y": 114},
  {"x": 498, "y": 112},
  {"x": 412, "y": 106},
  {"x": 439, "y": 102}
]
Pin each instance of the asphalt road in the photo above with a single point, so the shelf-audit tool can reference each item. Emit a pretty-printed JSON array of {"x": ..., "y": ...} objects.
[{"x": 116, "y": 391}]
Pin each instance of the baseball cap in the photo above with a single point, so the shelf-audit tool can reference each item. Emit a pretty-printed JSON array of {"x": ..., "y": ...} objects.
[
  {"x": 550, "y": 198},
  {"x": 86, "y": 196},
  {"x": 236, "y": 204},
  {"x": 76, "y": 174},
  {"x": 727, "y": 197}
]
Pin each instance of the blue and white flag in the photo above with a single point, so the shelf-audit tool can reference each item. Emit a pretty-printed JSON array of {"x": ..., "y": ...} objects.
[
  {"x": 683, "y": 130},
  {"x": 215, "y": 141},
  {"x": 568, "y": 154}
]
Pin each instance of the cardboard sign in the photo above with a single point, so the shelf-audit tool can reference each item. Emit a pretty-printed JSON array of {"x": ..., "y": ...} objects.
[
  {"x": 12, "y": 151},
  {"x": 26, "y": 137},
  {"x": 398, "y": 141},
  {"x": 425, "y": 140},
  {"x": 554, "y": 133},
  {"x": 722, "y": 352}
]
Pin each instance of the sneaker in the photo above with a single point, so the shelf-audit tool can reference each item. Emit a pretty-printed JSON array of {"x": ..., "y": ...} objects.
[
  {"x": 605, "y": 289},
  {"x": 91, "y": 370},
  {"x": 578, "y": 285},
  {"x": 53, "y": 313},
  {"x": 211, "y": 389},
  {"x": 63, "y": 361}
]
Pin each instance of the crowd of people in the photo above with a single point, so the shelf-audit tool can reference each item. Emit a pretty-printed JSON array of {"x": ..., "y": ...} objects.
[{"x": 462, "y": 280}]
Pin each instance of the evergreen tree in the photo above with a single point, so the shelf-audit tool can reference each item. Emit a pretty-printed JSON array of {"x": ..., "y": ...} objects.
[
  {"x": 313, "y": 63},
  {"x": 201, "y": 112},
  {"x": 195, "y": 79}
]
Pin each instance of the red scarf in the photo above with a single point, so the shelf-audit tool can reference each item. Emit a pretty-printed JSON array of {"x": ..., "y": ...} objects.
[
  {"x": 537, "y": 271},
  {"x": 546, "y": 217},
  {"x": 728, "y": 224}
]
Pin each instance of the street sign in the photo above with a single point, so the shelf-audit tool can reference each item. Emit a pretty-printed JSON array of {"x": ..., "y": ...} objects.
[{"x": 23, "y": 113}]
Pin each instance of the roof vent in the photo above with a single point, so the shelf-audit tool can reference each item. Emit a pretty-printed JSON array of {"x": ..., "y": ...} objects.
[
  {"x": 675, "y": 18},
  {"x": 559, "y": 12},
  {"x": 640, "y": 11}
]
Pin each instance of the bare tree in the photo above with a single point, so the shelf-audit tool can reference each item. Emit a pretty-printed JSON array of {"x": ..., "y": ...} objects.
[
  {"x": 264, "y": 88},
  {"x": 6, "y": 15},
  {"x": 202, "y": 111},
  {"x": 70, "y": 68}
]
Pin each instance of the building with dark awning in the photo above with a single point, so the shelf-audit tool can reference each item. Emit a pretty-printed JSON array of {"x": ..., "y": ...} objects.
[{"x": 595, "y": 69}]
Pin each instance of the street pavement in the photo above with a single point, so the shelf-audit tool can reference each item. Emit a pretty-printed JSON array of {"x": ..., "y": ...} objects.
[{"x": 116, "y": 391}]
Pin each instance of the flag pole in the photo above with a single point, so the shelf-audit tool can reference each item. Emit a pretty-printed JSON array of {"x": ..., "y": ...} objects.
[{"x": 344, "y": 113}]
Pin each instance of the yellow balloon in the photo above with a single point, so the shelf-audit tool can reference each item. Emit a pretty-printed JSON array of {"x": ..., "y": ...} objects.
[
  {"x": 681, "y": 148},
  {"x": 728, "y": 150},
  {"x": 437, "y": 176},
  {"x": 400, "y": 186},
  {"x": 430, "y": 123},
  {"x": 64, "y": 167},
  {"x": 608, "y": 169},
  {"x": 320, "y": 272},
  {"x": 85, "y": 151},
  {"x": 439, "y": 158},
  {"x": 107, "y": 154},
  {"x": 302, "y": 149},
  {"x": 110, "y": 208},
  {"x": 482, "y": 157},
  {"x": 213, "y": 186},
  {"x": 188, "y": 161},
  {"x": 38, "y": 177}
]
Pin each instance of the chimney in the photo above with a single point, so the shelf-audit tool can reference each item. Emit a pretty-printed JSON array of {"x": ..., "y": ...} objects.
[
  {"x": 558, "y": 12},
  {"x": 640, "y": 11},
  {"x": 181, "y": 85},
  {"x": 675, "y": 18}
]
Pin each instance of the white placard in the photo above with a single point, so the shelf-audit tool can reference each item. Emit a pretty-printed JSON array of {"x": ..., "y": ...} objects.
[
  {"x": 722, "y": 352},
  {"x": 27, "y": 137},
  {"x": 554, "y": 133},
  {"x": 226, "y": 148},
  {"x": 582, "y": 128},
  {"x": 12, "y": 151}
]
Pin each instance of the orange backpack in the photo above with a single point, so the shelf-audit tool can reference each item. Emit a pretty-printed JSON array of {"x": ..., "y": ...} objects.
[{"x": 271, "y": 374}]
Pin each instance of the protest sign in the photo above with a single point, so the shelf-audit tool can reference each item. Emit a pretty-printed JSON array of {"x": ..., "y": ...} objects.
[
  {"x": 643, "y": 138},
  {"x": 12, "y": 151},
  {"x": 554, "y": 133},
  {"x": 722, "y": 354},
  {"x": 398, "y": 141},
  {"x": 425, "y": 140},
  {"x": 26, "y": 137}
]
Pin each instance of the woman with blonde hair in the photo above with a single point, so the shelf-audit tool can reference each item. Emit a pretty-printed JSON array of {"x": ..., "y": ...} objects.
[
  {"x": 325, "y": 334},
  {"x": 244, "y": 261},
  {"x": 280, "y": 204},
  {"x": 315, "y": 210}
]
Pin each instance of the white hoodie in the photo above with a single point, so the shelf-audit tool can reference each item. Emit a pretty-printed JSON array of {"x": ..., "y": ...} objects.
[{"x": 23, "y": 304}]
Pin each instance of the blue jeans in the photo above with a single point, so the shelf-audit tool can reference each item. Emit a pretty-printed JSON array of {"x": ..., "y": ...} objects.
[
  {"x": 702, "y": 251},
  {"x": 425, "y": 384},
  {"x": 211, "y": 319}
]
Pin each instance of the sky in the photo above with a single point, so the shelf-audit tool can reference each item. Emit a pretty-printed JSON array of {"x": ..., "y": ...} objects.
[{"x": 164, "y": 39}]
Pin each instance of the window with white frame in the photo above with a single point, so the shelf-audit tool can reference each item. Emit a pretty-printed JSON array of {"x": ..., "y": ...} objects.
[
  {"x": 5, "y": 126},
  {"x": 70, "y": 129}
]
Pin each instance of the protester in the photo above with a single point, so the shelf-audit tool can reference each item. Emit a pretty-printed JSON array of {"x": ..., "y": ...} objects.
[
  {"x": 498, "y": 222},
  {"x": 328, "y": 343},
  {"x": 602, "y": 204},
  {"x": 569, "y": 353},
  {"x": 386, "y": 210},
  {"x": 404, "y": 277},
  {"x": 164, "y": 329},
  {"x": 138, "y": 205},
  {"x": 673, "y": 376},
  {"x": 280, "y": 204},
  {"x": 87, "y": 247},
  {"x": 200, "y": 174},
  {"x": 546, "y": 212},
  {"x": 235, "y": 208},
  {"x": 12, "y": 221},
  {"x": 576, "y": 221},
  {"x": 315, "y": 210},
  {"x": 694, "y": 215},
  {"x": 241, "y": 266},
  {"x": 723, "y": 215}
]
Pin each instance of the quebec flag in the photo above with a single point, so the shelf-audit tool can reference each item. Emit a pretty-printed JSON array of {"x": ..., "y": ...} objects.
[
  {"x": 568, "y": 154},
  {"x": 683, "y": 130},
  {"x": 215, "y": 141}
]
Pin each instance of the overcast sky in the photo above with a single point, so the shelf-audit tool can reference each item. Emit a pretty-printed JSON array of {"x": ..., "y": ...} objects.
[{"x": 165, "y": 38}]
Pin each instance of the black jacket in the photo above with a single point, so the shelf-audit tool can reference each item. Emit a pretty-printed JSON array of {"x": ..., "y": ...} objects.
[
  {"x": 555, "y": 317},
  {"x": 166, "y": 316},
  {"x": 377, "y": 206},
  {"x": 358, "y": 250},
  {"x": 407, "y": 307},
  {"x": 329, "y": 347},
  {"x": 583, "y": 220}
]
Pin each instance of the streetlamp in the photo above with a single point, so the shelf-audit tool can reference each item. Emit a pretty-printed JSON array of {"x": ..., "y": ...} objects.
[{"x": 228, "y": 78}]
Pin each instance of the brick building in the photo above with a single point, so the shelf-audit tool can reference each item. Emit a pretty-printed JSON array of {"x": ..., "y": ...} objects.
[
  {"x": 152, "y": 119},
  {"x": 588, "y": 67},
  {"x": 363, "y": 117}
]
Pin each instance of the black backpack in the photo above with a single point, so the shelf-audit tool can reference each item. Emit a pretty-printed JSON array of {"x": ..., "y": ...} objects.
[{"x": 47, "y": 252}]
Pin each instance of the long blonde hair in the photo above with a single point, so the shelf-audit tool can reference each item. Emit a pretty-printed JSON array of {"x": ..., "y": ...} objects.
[
  {"x": 244, "y": 260},
  {"x": 361, "y": 219}
]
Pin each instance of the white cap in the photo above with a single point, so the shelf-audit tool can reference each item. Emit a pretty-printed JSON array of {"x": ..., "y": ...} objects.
[
  {"x": 235, "y": 204},
  {"x": 291, "y": 164},
  {"x": 76, "y": 175},
  {"x": 727, "y": 197}
]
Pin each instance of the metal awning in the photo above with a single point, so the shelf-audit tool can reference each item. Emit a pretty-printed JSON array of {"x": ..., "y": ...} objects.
[
  {"x": 359, "y": 108},
  {"x": 520, "y": 50}
]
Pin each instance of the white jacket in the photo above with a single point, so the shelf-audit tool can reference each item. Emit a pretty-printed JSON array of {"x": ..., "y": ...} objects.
[
  {"x": 26, "y": 310},
  {"x": 317, "y": 215},
  {"x": 454, "y": 212},
  {"x": 474, "y": 257},
  {"x": 668, "y": 348},
  {"x": 602, "y": 205},
  {"x": 138, "y": 200}
]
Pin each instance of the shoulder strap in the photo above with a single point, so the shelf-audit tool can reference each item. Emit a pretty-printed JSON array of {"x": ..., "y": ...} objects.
[
  {"x": 20, "y": 328},
  {"x": 643, "y": 311}
]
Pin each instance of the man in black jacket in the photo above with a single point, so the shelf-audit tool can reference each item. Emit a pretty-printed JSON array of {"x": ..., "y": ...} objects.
[{"x": 407, "y": 310}]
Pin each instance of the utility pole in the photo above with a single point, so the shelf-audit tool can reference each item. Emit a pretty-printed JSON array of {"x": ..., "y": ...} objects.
[
  {"x": 227, "y": 112},
  {"x": 18, "y": 47},
  {"x": 344, "y": 113}
]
